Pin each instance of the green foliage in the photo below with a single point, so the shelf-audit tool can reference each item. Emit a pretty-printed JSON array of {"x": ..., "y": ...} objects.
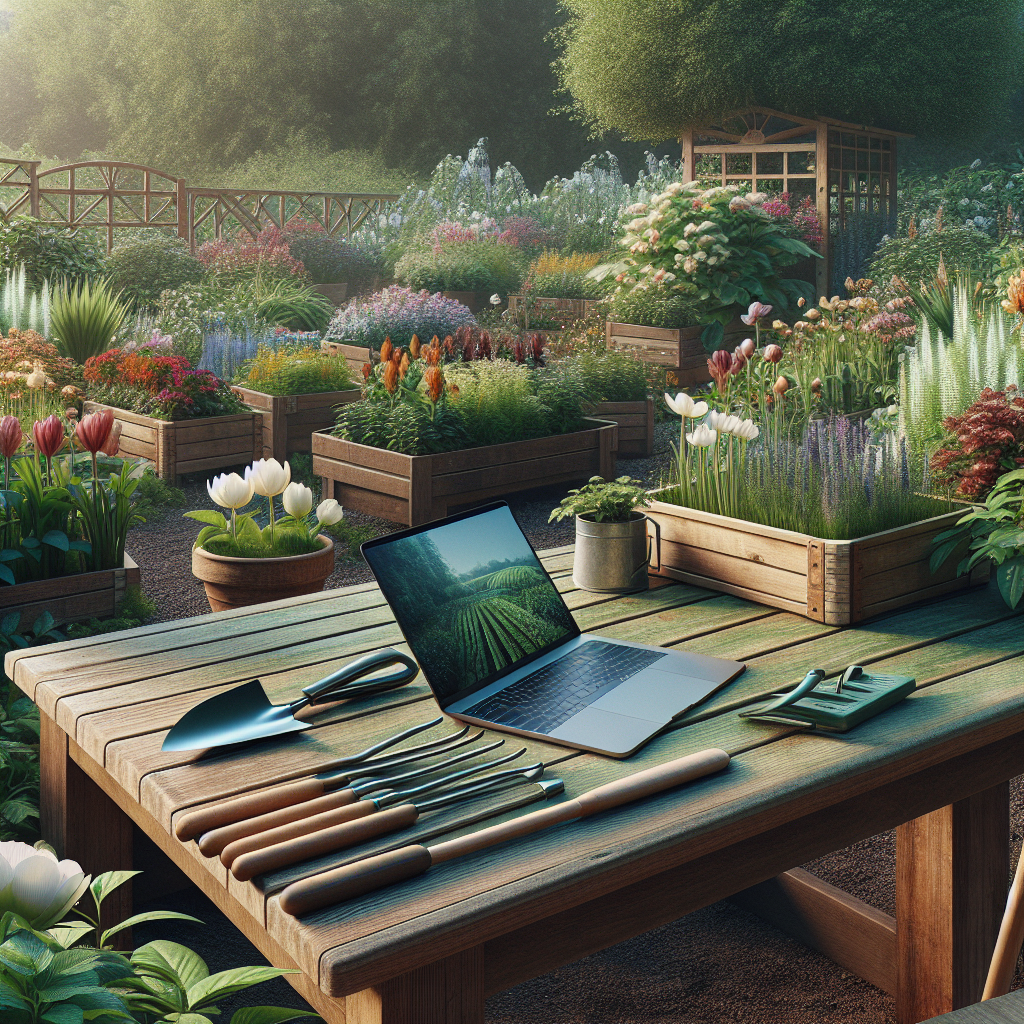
[
  {"x": 650, "y": 70},
  {"x": 286, "y": 543},
  {"x": 611, "y": 376},
  {"x": 462, "y": 266},
  {"x": 48, "y": 252},
  {"x": 602, "y": 500},
  {"x": 22, "y": 308},
  {"x": 407, "y": 427},
  {"x": 288, "y": 303},
  {"x": 963, "y": 250},
  {"x": 136, "y": 609},
  {"x": 294, "y": 372},
  {"x": 330, "y": 258},
  {"x": 153, "y": 496},
  {"x": 994, "y": 531},
  {"x": 150, "y": 262},
  {"x": 84, "y": 318},
  {"x": 654, "y": 306},
  {"x": 854, "y": 247},
  {"x": 941, "y": 377},
  {"x": 106, "y": 511}
]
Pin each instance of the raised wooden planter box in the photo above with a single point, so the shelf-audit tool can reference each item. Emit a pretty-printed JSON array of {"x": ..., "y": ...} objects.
[
  {"x": 566, "y": 311},
  {"x": 837, "y": 582},
  {"x": 289, "y": 420},
  {"x": 636, "y": 426},
  {"x": 176, "y": 447},
  {"x": 75, "y": 598},
  {"x": 414, "y": 489},
  {"x": 679, "y": 350},
  {"x": 356, "y": 356}
]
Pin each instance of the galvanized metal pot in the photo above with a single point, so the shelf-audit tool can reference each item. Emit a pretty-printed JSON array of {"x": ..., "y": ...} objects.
[{"x": 611, "y": 558}]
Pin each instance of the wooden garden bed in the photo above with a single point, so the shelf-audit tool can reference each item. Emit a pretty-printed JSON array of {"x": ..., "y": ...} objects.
[
  {"x": 176, "y": 447},
  {"x": 290, "y": 420},
  {"x": 414, "y": 489},
  {"x": 837, "y": 582},
  {"x": 75, "y": 598},
  {"x": 355, "y": 356},
  {"x": 565, "y": 311},
  {"x": 679, "y": 350},
  {"x": 636, "y": 426}
]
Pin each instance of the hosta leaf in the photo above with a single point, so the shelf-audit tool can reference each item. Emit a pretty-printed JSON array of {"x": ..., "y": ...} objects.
[
  {"x": 217, "y": 986},
  {"x": 268, "y": 1015},
  {"x": 1010, "y": 580}
]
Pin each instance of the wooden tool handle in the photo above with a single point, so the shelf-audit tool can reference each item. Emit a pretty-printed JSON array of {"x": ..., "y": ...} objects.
[
  {"x": 212, "y": 843},
  {"x": 293, "y": 830},
  {"x": 614, "y": 794},
  {"x": 355, "y": 879},
  {"x": 196, "y": 823},
  {"x": 291, "y": 851},
  {"x": 1009, "y": 941},
  {"x": 652, "y": 780}
]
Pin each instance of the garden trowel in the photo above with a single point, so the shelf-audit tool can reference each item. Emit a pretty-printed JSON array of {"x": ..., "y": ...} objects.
[{"x": 246, "y": 713}]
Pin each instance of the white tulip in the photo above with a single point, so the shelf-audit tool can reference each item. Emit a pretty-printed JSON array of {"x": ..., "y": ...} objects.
[
  {"x": 746, "y": 431},
  {"x": 34, "y": 884},
  {"x": 268, "y": 477},
  {"x": 297, "y": 500},
  {"x": 329, "y": 512},
  {"x": 703, "y": 436},
  {"x": 684, "y": 405},
  {"x": 229, "y": 490}
]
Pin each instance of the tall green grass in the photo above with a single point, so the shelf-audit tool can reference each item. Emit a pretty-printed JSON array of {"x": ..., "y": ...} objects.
[{"x": 84, "y": 318}]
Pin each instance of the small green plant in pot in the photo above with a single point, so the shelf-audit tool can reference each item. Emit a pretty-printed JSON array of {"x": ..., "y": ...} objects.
[{"x": 611, "y": 534}]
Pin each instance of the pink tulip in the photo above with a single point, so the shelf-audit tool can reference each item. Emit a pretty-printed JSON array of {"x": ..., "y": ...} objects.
[
  {"x": 755, "y": 311},
  {"x": 747, "y": 347},
  {"x": 772, "y": 353},
  {"x": 10, "y": 436},
  {"x": 48, "y": 435},
  {"x": 94, "y": 429},
  {"x": 113, "y": 442}
]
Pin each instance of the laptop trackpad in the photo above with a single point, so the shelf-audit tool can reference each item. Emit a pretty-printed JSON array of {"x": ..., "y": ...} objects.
[
  {"x": 618, "y": 735},
  {"x": 660, "y": 695}
]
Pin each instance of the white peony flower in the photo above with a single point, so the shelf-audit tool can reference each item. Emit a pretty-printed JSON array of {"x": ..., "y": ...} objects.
[
  {"x": 34, "y": 884},
  {"x": 268, "y": 477},
  {"x": 229, "y": 490},
  {"x": 745, "y": 430},
  {"x": 684, "y": 405},
  {"x": 297, "y": 500},
  {"x": 329, "y": 512}
]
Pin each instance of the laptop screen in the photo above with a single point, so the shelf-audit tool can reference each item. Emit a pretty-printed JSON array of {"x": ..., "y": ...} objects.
[{"x": 471, "y": 598}]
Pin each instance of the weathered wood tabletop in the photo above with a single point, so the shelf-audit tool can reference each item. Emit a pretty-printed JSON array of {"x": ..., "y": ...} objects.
[{"x": 431, "y": 949}]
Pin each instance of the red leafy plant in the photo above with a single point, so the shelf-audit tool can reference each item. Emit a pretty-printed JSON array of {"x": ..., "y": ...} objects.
[{"x": 982, "y": 444}]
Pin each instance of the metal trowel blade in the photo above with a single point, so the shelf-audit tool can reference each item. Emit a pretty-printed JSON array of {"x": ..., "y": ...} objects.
[{"x": 244, "y": 713}]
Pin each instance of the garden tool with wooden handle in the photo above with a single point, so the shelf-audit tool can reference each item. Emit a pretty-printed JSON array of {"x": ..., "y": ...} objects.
[
  {"x": 374, "y": 873},
  {"x": 247, "y": 805},
  {"x": 371, "y": 825},
  {"x": 333, "y": 796},
  {"x": 1010, "y": 939}
]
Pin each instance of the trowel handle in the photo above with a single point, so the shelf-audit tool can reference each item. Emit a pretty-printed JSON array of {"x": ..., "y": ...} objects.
[{"x": 342, "y": 684}]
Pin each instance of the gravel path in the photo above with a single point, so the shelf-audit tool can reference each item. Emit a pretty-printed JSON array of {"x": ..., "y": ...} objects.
[{"x": 719, "y": 964}]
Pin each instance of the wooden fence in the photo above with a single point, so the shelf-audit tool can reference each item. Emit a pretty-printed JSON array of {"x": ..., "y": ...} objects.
[{"x": 104, "y": 195}]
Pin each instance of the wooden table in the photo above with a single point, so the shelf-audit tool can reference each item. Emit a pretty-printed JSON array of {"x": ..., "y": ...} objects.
[{"x": 431, "y": 949}]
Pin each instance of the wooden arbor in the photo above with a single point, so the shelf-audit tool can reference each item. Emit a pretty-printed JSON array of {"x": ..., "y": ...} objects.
[{"x": 848, "y": 169}]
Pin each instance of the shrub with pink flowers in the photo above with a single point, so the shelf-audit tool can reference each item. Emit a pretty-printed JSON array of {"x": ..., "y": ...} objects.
[
  {"x": 266, "y": 256},
  {"x": 801, "y": 217},
  {"x": 165, "y": 387}
]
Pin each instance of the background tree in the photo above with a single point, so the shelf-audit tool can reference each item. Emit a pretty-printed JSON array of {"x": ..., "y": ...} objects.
[{"x": 933, "y": 67}]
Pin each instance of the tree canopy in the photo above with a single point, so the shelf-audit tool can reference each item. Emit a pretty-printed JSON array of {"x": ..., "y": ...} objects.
[{"x": 652, "y": 69}]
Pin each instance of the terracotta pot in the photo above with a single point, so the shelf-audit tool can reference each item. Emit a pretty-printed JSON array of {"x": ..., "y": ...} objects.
[{"x": 235, "y": 582}]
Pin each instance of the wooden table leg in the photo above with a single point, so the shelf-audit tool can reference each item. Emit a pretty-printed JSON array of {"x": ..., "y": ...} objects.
[
  {"x": 81, "y": 822},
  {"x": 951, "y": 873},
  {"x": 450, "y": 991}
]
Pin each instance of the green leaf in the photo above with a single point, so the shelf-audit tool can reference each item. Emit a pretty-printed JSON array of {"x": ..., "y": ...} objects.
[
  {"x": 208, "y": 516},
  {"x": 66, "y": 1013},
  {"x": 268, "y": 1015},
  {"x": 217, "y": 986},
  {"x": 57, "y": 539},
  {"x": 152, "y": 915},
  {"x": 67, "y": 934},
  {"x": 25, "y": 953},
  {"x": 179, "y": 961},
  {"x": 1010, "y": 580},
  {"x": 9, "y": 623},
  {"x": 6, "y": 575},
  {"x": 103, "y": 885}
]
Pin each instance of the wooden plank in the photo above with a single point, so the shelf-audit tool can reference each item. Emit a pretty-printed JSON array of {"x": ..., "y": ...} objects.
[
  {"x": 331, "y": 447},
  {"x": 216, "y": 447},
  {"x": 1008, "y": 1009},
  {"x": 847, "y": 930},
  {"x": 952, "y": 866},
  {"x": 362, "y": 478}
]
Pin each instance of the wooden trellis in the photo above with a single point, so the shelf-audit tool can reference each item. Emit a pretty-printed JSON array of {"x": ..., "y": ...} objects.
[
  {"x": 104, "y": 195},
  {"x": 847, "y": 168}
]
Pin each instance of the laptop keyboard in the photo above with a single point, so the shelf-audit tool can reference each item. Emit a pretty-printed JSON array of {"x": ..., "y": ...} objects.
[{"x": 543, "y": 700}]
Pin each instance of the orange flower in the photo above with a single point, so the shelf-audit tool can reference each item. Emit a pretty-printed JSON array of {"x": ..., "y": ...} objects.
[
  {"x": 367, "y": 370},
  {"x": 433, "y": 355},
  {"x": 781, "y": 386},
  {"x": 403, "y": 366},
  {"x": 414, "y": 346},
  {"x": 396, "y": 356},
  {"x": 1014, "y": 301},
  {"x": 390, "y": 377},
  {"x": 435, "y": 382},
  {"x": 385, "y": 350}
]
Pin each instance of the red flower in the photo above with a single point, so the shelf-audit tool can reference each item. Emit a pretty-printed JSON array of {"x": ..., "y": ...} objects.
[
  {"x": 10, "y": 436},
  {"x": 94, "y": 429},
  {"x": 48, "y": 435}
]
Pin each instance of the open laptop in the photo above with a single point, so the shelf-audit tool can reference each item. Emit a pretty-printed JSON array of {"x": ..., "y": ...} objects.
[{"x": 499, "y": 647}]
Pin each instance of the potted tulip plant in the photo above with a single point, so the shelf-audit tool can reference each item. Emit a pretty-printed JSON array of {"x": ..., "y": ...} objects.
[
  {"x": 611, "y": 534},
  {"x": 241, "y": 563}
]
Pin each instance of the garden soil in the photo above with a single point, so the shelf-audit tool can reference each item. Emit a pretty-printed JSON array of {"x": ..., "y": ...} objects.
[{"x": 718, "y": 965}]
